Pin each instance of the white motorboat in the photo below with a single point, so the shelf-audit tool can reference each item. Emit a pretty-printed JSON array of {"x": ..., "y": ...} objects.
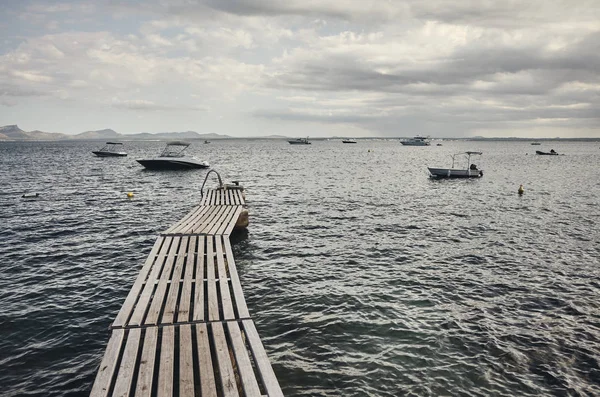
[
  {"x": 471, "y": 171},
  {"x": 299, "y": 141},
  {"x": 349, "y": 140},
  {"x": 110, "y": 150},
  {"x": 416, "y": 141},
  {"x": 172, "y": 158}
]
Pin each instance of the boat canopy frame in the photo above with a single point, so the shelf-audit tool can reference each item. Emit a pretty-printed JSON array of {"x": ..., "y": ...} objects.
[
  {"x": 175, "y": 149},
  {"x": 110, "y": 146},
  {"x": 467, "y": 155}
]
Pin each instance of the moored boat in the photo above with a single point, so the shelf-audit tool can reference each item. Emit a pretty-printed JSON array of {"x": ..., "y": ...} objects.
[
  {"x": 348, "y": 140},
  {"x": 172, "y": 158},
  {"x": 550, "y": 153},
  {"x": 299, "y": 141},
  {"x": 416, "y": 141},
  {"x": 471, "y": 171},
  {"x": 110, "y": 150}
]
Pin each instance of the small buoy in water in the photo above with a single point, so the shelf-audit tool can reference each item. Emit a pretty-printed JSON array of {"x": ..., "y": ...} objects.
[
  {"x": 521, "y": 190},
  {"x": 130, "y": 194},
  {"x": 369, "y": 150},
  {"x": 30, "y": 195}
]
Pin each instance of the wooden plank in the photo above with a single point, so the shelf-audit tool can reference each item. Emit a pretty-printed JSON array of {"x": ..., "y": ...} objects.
[
  {"x": 211, "y": 283},
  {"x": 231, "y": 198},
  {"x": 244, "y": 365},
  {"x": 183, "y": 226},
  {"x": 171, "y": 305},
  {"x": 227, "y": 376},
  {"x": 262, "y": 361},
  {"x": 209, "y": 223},
  {"x": 207, "y": 376},
  {"x": 211, "y": 200},
  {"x": 225, "y": 221},
  {"x": 165, "y": 370},
  {"x": 228, "y": 313},
  {"x": 159, "y": 295},
  {"x": 199, "y": 285},
  {"x": 198, "y": 223},
  {"x": 183, "y": 220},
  {"x": 127, "y": 307},
  {"x": 127, "y": 367},
  {"x": 108, "y": 365},
  {"x": 146, "y": 373},
  {"x": 240, "y": 301},
  {"x": 224, "y": 213},
  {"x": 228, "y": 227},
  {"x": 183, "y": 315},
  {"x": 226, "y": 194},
  {"x": 186, "y": 361},
  {"x": 142, "y": 304}
]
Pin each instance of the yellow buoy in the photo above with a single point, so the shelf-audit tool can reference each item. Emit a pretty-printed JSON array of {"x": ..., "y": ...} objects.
[
  {"x": 521, "y": 190},
  {"x": 130, "y": 194}
]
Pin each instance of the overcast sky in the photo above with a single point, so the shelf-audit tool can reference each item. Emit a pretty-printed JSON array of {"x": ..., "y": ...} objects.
[{"x": 303, "y": 67}]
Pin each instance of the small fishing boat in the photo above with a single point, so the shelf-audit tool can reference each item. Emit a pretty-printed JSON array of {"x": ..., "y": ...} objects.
[
  {"x": 299, "y": 141},
  {"x": 471, "y": 171},
  {"x": 416, "y": 141},
  {"x": 172, "y": 158},
  {"x": 206, "y": 141},
  {"x": 550, "y": 153},
  {"x": 110, "y": 150},
  {"x": 348, "y": 140},
  {"x": 535, "y": 143}
]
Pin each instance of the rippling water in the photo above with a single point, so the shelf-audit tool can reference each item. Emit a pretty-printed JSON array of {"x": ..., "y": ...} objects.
[{"x": 365, "y": 277}]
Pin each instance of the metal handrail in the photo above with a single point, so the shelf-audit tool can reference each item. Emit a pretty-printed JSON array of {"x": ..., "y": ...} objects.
[{"x": 206, "y": 178}]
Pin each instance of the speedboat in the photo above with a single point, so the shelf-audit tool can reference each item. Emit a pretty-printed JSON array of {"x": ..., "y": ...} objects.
[
  {"x": 550, "y": 153},
  {"x": 299, "y": 141},
  {"x": 471, "y": 171},
  {"x": 172, "y": 158},
  {"x": 416, "y": 141},
  {"x": 110, "y": 150},
  {"x": 349, "y": 141}
]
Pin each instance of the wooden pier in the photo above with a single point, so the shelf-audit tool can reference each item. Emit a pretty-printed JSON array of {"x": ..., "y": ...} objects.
[{"x": 184, "y": 329}]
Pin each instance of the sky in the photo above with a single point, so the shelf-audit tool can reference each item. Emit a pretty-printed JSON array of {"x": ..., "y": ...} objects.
[{"x": 443, "y": 68}]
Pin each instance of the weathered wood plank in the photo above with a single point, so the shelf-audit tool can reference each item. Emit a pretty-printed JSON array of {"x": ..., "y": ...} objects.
[
  {"x": 211, "y": 283},
  {"x": 227, "y": 375},
  {"x": 186, "y": 361},
  {"x": 198, "y": 221},
  {"x": 128, "y": 362},
  {"x": 127, "y": 307},
  {"x": 108, "y": 365},
  {"x": 183, "y": 314},
  {"x": 232, "y": 221},
  {"x": 184, "y": 220},
  {"x": 171, "y": 306},
  {"x": 228, "y": 313},
  {"x": 207, "y": 376},
  {"x": 244, "y": 365},
  {"x": 224, "y": 213},
  {"x": 146, "y": 372},
  {"x": 189, "y": 223},
  {"x": 209, "y": 223},
  {"x": 262, "y": 361},
  {"x": 142, "y": 304},
  {"x": 199, "y": 285},
  {"x": 165, "y": 370},
  {"x": 240, "y": 301},
  {"x": 159, "y": 295}
]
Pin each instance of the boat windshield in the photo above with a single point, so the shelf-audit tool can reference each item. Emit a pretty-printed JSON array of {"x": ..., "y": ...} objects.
[
  {"x": 110, "y": 146},
  {"x": 174, "y": 149}
]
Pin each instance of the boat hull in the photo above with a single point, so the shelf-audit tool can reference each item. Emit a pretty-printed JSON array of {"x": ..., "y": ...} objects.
[
  {"x": 454, "y": 173},
  {"x": 298, "y": 143},
  {"x": 408, "y": 143},
  {"x": 172, "y": 164},
  {"x": 545, "y": 153},
  {"x": 109, "y": 154}
]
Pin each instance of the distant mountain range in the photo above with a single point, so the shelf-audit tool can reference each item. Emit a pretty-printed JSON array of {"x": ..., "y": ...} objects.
[{"x": 14, "y": 133}]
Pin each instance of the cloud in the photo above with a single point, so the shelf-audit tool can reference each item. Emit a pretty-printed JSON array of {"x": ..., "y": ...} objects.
[{"x": 141, "y": 104}]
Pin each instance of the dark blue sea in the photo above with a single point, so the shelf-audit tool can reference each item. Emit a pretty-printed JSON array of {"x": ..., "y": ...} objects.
[{"x": 364, "y": 276}]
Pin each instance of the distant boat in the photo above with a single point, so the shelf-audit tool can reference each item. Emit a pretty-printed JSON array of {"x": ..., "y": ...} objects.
[
  {"x": 110, "y": 150},
  {"x": 299, "y": 141},
  {"x": 471, "y": 171},
  {"x": 349, "y": 141},
  {"x": 172, "y": 158},
  {"x": 416, "y": 141},
  {"x": 439, "y": 144},
  {"x": 536, "y": 143},
  {"x": 550, "y": 153},
  {"x": 206, "y": 142}
]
